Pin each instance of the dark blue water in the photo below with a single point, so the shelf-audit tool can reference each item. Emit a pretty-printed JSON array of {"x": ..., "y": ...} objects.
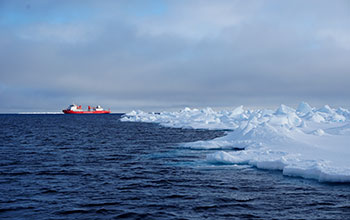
[{"x": 96, "y": 167}]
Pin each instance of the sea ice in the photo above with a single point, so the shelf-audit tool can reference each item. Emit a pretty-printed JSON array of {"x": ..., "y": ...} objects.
[{"x": 304, "y": 142}]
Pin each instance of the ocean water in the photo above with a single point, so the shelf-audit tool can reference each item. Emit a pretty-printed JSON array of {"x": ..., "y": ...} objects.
[{"x": 96, "y": 167}]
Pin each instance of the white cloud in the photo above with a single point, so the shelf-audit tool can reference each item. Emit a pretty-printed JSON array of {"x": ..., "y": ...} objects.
[
  {"x": 201, "y": 52},
  {"x": 197, "y": 19}
]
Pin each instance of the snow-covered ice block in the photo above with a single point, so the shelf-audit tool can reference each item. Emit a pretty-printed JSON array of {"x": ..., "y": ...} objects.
[{"x": 306, "y": 142}]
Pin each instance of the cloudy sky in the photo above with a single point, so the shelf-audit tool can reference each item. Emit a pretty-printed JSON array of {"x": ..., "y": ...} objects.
[{"x": 161, "y": 55}]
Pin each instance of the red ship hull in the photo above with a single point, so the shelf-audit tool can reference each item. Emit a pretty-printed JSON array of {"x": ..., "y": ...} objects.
[{"x": 86, "y": 112}]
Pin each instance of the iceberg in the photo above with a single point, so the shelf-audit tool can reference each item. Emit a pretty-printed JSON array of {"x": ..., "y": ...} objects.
[{"x": 304, "y": 142}]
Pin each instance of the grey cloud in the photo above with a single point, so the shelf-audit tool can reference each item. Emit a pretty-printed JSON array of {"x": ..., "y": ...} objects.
[{"x": 270, "y": 53}]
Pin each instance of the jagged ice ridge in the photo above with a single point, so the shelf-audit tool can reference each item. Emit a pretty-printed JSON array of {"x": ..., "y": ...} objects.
[{"x": 303, "y": 142}]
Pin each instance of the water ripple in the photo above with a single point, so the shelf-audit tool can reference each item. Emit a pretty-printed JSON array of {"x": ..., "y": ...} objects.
[{"x": 96, "y": 167}]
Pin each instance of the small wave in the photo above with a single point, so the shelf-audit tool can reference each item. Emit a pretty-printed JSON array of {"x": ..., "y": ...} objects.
[
  {"x": 100, "y": 204},
  {"x": 132, "y": 215},
  {"x": 16, "y": 208},
  {"x": 73, "y": 211}
]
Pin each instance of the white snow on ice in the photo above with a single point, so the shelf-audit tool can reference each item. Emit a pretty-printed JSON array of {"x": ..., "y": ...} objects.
[{"x": 303, "y": 142}]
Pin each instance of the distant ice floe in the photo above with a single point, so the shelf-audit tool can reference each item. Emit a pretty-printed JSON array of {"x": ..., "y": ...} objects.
[
  {"x": 40, "y": 113},
  {"x": 304, "y": 142}
]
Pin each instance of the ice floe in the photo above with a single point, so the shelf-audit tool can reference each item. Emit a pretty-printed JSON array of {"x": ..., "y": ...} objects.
[{"x": 304, "y": 142}]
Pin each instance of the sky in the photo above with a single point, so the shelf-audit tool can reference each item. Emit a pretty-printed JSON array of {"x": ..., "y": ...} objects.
[{"x": 157, "y": 55}]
